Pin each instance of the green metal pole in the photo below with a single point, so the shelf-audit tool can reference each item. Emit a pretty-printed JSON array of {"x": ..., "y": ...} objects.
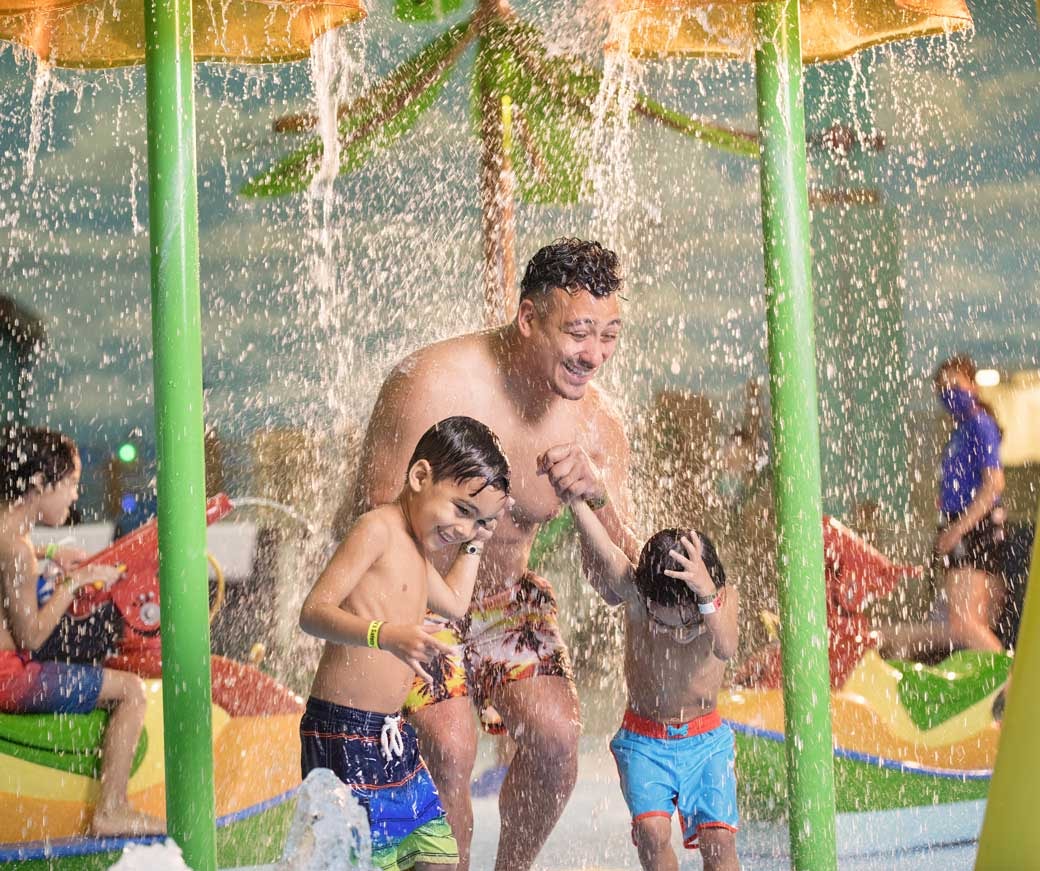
[
  {"x": 177, "y": 342},
  {"x": 803, "y": 612}
]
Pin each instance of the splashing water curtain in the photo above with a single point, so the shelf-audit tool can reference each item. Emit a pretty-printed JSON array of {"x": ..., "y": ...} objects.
[
  {"x": 529, "y": 101},
  {"x": 774, "y": 32},
  {"x": 111, "y": 33}
]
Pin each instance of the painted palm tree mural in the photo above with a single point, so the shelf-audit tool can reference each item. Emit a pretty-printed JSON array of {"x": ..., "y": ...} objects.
[{"x": 535, "y": 112}]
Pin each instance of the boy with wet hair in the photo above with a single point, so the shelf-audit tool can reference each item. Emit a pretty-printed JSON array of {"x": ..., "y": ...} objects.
[
  {"x": 672, "y": 750},
  {"x": 369, "y": 604}
]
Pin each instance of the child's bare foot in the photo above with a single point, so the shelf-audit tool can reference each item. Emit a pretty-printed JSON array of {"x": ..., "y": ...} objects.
[{"x": 125, "y": 822}]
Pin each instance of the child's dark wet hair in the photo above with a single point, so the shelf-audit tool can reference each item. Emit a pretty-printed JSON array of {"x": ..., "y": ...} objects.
[
  {"x": 460, "y": 448},
  {"x": 26, "y": 452},
  {"x": 651, "y": 581}
]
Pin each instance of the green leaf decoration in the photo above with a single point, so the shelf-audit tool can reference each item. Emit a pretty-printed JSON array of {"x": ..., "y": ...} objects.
[
  {"x": 933, "y": 694},
  {"x": 733, "y": 141},
  {"x": 578, "y": 84},
  {"x": 375, "y": 120},
  {"x": 550, "y": 538},
  {"x": 425, "y": 10},
  {"x": 64, "y": 742},
  {"x": 547, "y": 132}
]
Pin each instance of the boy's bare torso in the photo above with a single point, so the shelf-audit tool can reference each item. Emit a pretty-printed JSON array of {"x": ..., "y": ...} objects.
[
  {"x": 668, "y": 681},
  {"x": 394, "y": 589},
  {"x": 461, "y": 377}
]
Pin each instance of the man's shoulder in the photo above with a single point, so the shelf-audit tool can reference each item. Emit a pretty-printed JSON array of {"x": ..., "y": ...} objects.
[{"x": 451, "y": 356}]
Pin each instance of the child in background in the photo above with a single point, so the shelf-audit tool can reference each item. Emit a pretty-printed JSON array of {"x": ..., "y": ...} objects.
[
  {"x": 39, "y": 481},
  {"x": 369, "y": 604},
  {"x": 672, "y": 750}
]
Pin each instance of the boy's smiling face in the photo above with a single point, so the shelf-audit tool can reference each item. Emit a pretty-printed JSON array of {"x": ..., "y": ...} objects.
[{"x": 448, "y": 513}]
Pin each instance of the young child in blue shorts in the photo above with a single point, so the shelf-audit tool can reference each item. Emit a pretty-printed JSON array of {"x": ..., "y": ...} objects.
[
  {"x": 39, "y": 481},
  {"x": 369, "y": 605},
  {"x": 673, "y": 752}
]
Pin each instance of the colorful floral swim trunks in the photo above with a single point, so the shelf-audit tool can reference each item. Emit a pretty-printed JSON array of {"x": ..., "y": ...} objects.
[{"x": 508, "y": 636}]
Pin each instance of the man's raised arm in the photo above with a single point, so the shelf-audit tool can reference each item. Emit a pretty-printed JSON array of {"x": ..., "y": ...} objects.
[{"x": 603, "y": 488}]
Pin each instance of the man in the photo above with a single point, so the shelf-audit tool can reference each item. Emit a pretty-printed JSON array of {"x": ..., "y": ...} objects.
[{"x": 530, "y": 382}]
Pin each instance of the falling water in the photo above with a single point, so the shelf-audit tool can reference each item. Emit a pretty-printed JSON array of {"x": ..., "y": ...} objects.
[
  {"x": 922, "y": 229},
  {"x": 40, "y": 90}
]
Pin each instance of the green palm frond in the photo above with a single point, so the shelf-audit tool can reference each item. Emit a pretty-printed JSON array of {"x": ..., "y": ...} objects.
[
  {"x": 377, "y": 119},
  {"x": 578, "y": 85},
  {"x": 547, "y": 160},
  {"x": 552, "y": 100},
  {"x": 425, "y": 10}
]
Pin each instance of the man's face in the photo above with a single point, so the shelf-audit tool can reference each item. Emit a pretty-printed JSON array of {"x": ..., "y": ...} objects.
[{"x": 577, "y": 333}]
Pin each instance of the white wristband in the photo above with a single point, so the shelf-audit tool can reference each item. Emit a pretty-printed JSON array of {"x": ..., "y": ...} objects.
[{"x": 709, "y": 607}]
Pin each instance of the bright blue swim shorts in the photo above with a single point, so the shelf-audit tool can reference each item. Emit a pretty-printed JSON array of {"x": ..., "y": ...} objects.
[{"x": 688, "y": 767}]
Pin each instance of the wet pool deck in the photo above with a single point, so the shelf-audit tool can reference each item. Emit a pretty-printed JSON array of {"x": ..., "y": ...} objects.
[{"x": 593, "y": 834}]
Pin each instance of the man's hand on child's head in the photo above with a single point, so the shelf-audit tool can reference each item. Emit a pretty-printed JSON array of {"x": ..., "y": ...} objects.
[
  {"x": 694, "y": 573},
  {"x": 413, "y": 645}
]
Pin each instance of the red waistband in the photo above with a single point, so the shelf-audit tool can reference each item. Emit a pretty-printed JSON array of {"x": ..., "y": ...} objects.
[{"x": 652, "y": 729}]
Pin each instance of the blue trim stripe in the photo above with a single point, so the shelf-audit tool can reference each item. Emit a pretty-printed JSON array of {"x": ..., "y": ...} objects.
[
  {"x": 964, "y": 775},
  {"x": 65, "y": 847}
]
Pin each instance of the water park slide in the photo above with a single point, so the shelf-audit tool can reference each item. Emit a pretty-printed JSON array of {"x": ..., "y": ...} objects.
[{"x": 904, "y": 735}]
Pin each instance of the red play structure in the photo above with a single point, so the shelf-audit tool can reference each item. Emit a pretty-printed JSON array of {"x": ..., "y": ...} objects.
[
  {"x": 240, "y": 689},
  {"x": 856, "y": 574}
]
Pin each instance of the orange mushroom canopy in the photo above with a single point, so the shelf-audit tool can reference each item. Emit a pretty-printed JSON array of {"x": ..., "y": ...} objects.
[
  {"x": 831, "y": 29},
  {"x": 110, "y": 33}
]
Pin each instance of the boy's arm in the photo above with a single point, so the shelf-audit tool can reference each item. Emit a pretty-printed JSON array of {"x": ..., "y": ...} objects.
[
  {"x": 323, "y": 616},
  {"x": 722, "y": 623},
  {"x": 574, "y": 476},
  {"x": 609, "y": 571},
  {"x": 450, "y": 595}
]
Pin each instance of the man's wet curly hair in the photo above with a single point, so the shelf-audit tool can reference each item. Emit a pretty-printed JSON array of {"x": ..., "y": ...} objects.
[{"x": 572, "y": 265}]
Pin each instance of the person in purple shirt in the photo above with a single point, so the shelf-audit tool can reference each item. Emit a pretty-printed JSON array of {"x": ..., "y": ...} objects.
[
  {"x": 969, "y": 542},
  {"x": 971, "y": 518}
]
